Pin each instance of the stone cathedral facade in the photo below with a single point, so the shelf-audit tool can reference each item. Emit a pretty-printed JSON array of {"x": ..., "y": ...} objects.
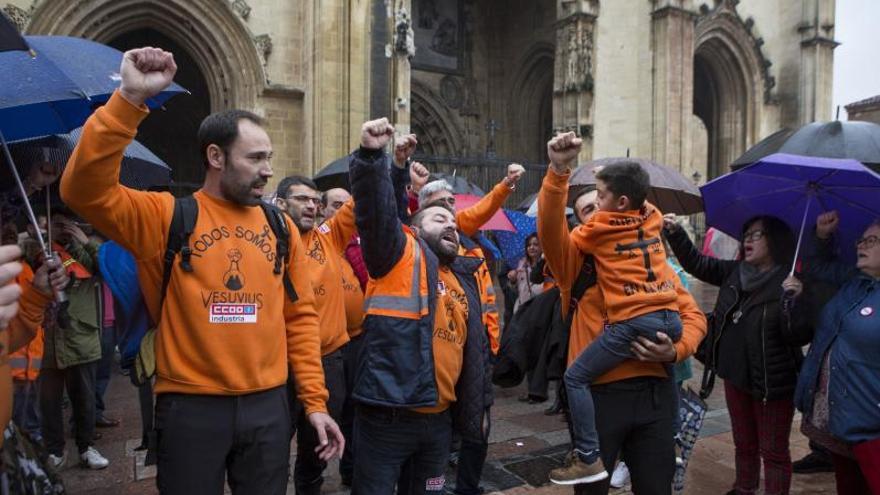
[{"x": 688, "y": 83}]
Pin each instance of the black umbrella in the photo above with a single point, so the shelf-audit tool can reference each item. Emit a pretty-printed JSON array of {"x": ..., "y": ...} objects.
[
  {"x": 334, "y": 175},
  {"x": 459, "y": 184},
  {"x": 10, "y": 38},
  {"x": 851, "y": 139},
  {"x": 670, "y": 191}
]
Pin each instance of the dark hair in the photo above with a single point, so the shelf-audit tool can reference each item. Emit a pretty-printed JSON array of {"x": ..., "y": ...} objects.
[
  {"x": 221, "y": 129},
  {"x": 533, "y": 235},
  {"x": 780, "y": 238},
  {"x": 416, "y": 218},
  {"x": 293, "y": 180},
  {"x": 628, "y": 179}
]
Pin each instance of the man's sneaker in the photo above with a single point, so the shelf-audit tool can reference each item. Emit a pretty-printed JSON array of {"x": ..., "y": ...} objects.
[
  {"x": 57, "y": 461},
  {"x": 93, "y": 459},
  {"x": 620, "y": 476},
  {"x": 813, "y": 462},
  {"x": 577, "y": 471}
]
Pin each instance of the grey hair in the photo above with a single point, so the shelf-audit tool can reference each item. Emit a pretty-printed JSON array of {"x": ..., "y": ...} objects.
[{"x": 432, "y": 188}]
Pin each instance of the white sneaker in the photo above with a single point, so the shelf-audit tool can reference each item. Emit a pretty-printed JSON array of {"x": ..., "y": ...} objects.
[
  {"x": 620, "y": 476},
  {"x": 56, "y": 461},
  {"x": 93, "y": 459}
]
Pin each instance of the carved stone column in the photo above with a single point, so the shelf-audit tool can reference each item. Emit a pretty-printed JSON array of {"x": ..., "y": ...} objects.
[
  {"x": 401, "y": 52},
  {"x": 573, "y": 72},
  {"x": 817, "y": 60}
]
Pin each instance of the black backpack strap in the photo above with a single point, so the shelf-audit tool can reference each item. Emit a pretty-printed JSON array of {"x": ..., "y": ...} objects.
[
  {"x": 183, "y": 222},
  {"x": 278, "y": 224},
  {"x": 586, "y": 278}
]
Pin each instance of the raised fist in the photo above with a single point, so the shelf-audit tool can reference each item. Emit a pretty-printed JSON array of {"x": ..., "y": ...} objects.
[
  {"x": 515, "y": 172},
  {"x": 826, "y": 224},
  {"x": 404, "y": 147},
  {"x": 145, "y": 73},
  {"x": 418, "y": 176},
  {"x": 563, "y": 151},
  {"x": 375, "y": 134}
]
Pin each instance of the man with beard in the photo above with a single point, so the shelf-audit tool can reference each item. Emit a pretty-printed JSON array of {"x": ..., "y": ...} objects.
[
  {"x": 235, "y": 314},
  {"x": 425, "y": 357}
]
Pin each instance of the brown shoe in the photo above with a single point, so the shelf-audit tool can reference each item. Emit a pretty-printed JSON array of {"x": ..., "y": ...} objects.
[{"x": 577, "y": 471}]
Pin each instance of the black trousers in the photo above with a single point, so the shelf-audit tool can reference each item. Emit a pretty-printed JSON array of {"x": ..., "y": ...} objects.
[
  {"x": 206, "y": 439},
  {"x": 471, "y": 458},
  {"x": 346, "y": 423},
  {"x": 80, "y": 383},
  {"x": 635, "y": 418},
  {"x": 308, "y": 471},
  {"x": 389, "y": 439}
]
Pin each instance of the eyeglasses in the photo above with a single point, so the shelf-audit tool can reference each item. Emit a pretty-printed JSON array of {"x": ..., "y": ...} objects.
[
  {"x": 867, "y": 242},
  {"x": 755, "y": 235},
  {"x": 302, "y": 198}
]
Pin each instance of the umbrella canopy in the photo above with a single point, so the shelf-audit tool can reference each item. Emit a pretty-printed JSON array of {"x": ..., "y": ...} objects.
[
  {"x": 54, "y": 87},
  {"x": 852, "y": 139},
  {"x": 796, "y": 189},
  {"x": 10, "y": 38},
  {"x": 335, "y": 174},
  {"x": 512, "y": 244},
  {"x": 141, "y": 168},
  {"x": 532, "y": 208},
  {"x": 499, "y": 220},
  {"x": 459, "y": 184},
  {"x": 526, "y": 204},
  {"x": 670, "y": 191}
]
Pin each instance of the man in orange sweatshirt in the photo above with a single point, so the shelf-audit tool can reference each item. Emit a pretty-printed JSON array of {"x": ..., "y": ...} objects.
[
  {"x": 325, "y": 244},
  {"x": 635, "y": 400},
  {"x": 227, "y": 329}
]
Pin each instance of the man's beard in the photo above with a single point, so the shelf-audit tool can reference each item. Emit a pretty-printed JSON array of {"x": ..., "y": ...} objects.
[
  {"x": 446, "y": 254},
  {"x": 240, "y": 193}
]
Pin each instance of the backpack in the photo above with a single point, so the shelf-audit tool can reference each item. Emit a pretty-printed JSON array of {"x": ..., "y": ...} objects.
[{"x": 183, "y": 222}]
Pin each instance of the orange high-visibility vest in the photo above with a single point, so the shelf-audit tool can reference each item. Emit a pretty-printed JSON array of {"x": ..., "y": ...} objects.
[
  {"x": 402, "y": 292},
  {"x": 27, "y": 361},
  {"x": 74, "y": 268}
]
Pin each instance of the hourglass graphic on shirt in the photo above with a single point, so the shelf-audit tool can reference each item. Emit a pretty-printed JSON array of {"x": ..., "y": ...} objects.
[{"x": 233, "y": 279}]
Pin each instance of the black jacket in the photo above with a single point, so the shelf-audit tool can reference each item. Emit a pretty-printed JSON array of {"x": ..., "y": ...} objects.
[{"x": 758, "y": 350}]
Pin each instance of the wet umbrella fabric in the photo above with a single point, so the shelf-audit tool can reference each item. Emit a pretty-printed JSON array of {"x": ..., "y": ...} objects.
[
  {"x": 851, "y": 139},
  {"x": 459, "y": 184},
  {"x": 670, "y": 191},
  {"x": 796, "y": 189},
  {"x": 54, "y": 87},
  {"x": 335, "y": 174},
  {"x": 512, "y": 244}
]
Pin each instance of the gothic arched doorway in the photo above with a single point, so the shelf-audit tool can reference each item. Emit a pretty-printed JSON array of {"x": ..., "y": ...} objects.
[
  {"x": 532, "y": 115},
  {"x": 171, "y": 133}
]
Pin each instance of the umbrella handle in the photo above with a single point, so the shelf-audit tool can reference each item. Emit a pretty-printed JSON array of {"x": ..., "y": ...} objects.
[
  {"x": 24, "y": 197},
  {"x": 797, "y": 248}
]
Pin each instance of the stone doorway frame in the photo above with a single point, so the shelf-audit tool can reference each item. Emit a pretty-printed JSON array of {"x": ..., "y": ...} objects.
[{"x": 215, "y": 36}]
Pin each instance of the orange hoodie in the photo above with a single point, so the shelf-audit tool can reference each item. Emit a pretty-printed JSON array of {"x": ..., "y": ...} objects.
[
  {"x": 20, "y": 331},
  {"x": 325, "y": 245},
  {"x": 630, "y": 260},
  {"x": 565, "y": 261},
  {"x": 226, "y": 328}
]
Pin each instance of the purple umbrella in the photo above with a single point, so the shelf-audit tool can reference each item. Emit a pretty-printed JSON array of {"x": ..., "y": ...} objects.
[{"x": 796, "y": 189}]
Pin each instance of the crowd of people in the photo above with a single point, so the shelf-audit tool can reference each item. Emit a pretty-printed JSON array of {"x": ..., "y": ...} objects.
[{"x": 362, "y": 322}]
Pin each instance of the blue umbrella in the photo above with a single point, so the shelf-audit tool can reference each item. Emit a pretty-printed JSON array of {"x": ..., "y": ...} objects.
[
  {"x": 54, "y": 87},
  {"x": 512, "y": 244},
  {"x": 796, "y": 189}
]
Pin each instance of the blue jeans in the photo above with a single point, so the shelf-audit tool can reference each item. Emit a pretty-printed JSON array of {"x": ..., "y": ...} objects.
[
  {"x": 387, "y": 439},
  {"x": 26, "y": 406},
  {"x": 611, "y": 348}
]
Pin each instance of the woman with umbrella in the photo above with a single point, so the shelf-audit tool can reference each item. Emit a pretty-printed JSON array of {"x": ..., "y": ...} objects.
[
  {"x": 752, "y": 346},
  {"x": 838, "y": 389}
]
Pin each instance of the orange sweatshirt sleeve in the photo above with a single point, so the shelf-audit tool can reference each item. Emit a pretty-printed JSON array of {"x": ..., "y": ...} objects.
[
  {"x": 560, "y": 252},
  {"x": 693, "y": 324},
  {"x": 342, "y": 227},
  {"x": 137, "y": 220},
  {"x": 303, "y": 331},
  {"x": 31, "y": 305},
  {"x": 471, "y": 219}
]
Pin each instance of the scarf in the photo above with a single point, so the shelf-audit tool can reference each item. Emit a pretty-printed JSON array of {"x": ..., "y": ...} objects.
[{"x": 751, "y": 278}]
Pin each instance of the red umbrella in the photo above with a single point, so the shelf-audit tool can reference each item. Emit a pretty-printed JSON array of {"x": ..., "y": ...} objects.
[{"x": 499, "y": 220}]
